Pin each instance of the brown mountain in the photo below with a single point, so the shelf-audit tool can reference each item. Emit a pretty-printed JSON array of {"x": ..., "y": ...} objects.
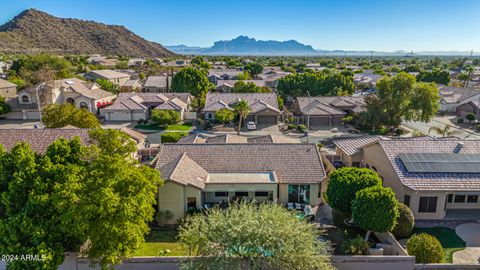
[{"x": 36, "y": 31}]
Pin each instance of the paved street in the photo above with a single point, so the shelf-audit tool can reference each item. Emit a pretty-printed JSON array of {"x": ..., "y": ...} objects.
[{"x": 441, "y": 122}]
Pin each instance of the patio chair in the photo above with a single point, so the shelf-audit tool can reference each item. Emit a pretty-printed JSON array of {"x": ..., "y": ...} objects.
[{"x": 290, "y": 206}]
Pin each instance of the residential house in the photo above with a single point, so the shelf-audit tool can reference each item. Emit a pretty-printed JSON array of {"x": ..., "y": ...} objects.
[
  {"x": 135, "y": 62},
  {"x": 198, "y": 176},
  {"x": 327, "y": 110},
  {"x": 102, "y": 61},
  {"x": 136, "y": 106},
  {"x": 157, "y": 84},
  {"x": 436, "y": 178},
  {"x": 366, "y": 79},
  {"x": 233, "y": 138},
  {"x": 131, "y": 86},
  {"x": 214, "y": 75},
  {"x": 263, "y": 106},
  {"x": 81, "y": 94},
  {"x": 226, "y": 86},
  {"x": 113, "y": 76},
  {"x": 452, "y": 97},
  {"x": 8, "y": 90},
  {"x": 177, "y": 63},
  {"x": 469, "y": 107}
]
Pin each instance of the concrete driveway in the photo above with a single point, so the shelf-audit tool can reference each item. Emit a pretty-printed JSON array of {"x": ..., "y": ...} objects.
[{"x": 470, "y": 233}]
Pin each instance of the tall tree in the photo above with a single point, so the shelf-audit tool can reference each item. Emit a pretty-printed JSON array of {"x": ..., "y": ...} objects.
[
  {"x": 243, "y": 109},
  {"x": 57, "y": 116},
  {"x": 446, "y": 131},
  {"x": 250, "y": 236},
  {"x": 4, "y": 107},
  {"x": 193, "y": 81},
  {"x": 249, "y": 87},
  {"x": 253, "y": 68},
  {"x": 75, "y": 195},
  {"x": 323, "y": 83}
]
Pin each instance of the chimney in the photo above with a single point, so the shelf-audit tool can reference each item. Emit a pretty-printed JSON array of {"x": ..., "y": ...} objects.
[{"x": 458, "y": 148}]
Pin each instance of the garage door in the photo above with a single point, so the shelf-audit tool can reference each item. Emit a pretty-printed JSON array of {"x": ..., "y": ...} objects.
[
  {"x": 250, "y": 118},
  {"x": 319, "y": 121},
  {"x": 267, "y": 119}
]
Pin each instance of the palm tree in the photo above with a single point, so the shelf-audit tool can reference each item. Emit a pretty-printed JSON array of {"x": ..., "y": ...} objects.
[
  {"x": 469, "y": 70},
  {"x": 445, "y": 131},
  {"x": 242, "y": 108}
]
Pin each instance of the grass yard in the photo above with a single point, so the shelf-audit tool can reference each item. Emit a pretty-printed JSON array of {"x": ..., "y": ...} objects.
[
  {"x": 158, "y": 240},
  {"x": 450, "y": 241},
  {"x": 152, "y": 126},
  {"x": 181, "y": 127}
]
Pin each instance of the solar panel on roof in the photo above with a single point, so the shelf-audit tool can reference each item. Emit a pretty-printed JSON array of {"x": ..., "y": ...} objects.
[{"x": 440, "y": 162}]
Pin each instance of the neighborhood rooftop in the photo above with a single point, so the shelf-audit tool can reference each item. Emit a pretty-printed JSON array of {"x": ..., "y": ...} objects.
[{"x": 257, "y": 101}]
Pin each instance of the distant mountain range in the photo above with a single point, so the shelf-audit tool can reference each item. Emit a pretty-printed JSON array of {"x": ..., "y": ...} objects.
[
  {"x": 243, "y": 46},
  {"x": 36, "y": 31}
]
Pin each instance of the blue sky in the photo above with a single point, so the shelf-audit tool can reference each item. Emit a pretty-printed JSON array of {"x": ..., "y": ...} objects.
[{"x": 381, "y": 25}]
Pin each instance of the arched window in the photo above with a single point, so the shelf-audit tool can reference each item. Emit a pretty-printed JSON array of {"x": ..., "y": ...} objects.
[
  {"x": 70, "y": 101},
  {"x": 83, "y": 105},
  {"x": 25, "y": 99}
]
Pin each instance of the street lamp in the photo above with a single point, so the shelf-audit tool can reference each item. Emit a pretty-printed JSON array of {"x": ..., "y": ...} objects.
[{"x": 38, "y": 101}]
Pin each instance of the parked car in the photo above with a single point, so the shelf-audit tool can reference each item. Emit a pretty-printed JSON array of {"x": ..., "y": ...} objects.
[{"x": 251, "y": 125}]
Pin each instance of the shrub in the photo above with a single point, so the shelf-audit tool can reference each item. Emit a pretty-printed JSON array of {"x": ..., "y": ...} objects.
[
  {"x": 302, "y": 128},
  {"x": 355, "y": 246},
  {"x": 470, "y": 117},
  {"x": 165, "y": 117},
  {"x": 140, "y": 121},
  {"x": 167, "y": 137},
  {"x": 162, "y": 217},
  {"x": 224, "y": 115},
  {"x": 425, "y": 248},
  {"x": 344, "y": 184},
  {"x": 338, "y": 217},
  {"x": 460, "y": 121},
  {"x": 292, "y": 126},
  {"x": 375, "y": 209},
  {"x": 405, "y": 222}
]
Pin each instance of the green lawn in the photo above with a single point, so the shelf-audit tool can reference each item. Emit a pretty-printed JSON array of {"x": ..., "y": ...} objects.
[
  {"x": 158, "y": 240},
  {"x": 450, "y": 241},
  {"x": 182, "y": 127},
  {"x": 152, "y": 126}
]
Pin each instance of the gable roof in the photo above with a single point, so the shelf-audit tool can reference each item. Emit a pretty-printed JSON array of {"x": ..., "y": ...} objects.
[
  {"x": 292, "y": 163},
  {"x": 353, "y": 146},
  {"x": 257, "y": 101},
  {"x": 40, "y": 139},
  {"x": 139, "y": 101},
  {"x": 108, "y": 74},
  {"x": 6, "y": 84},
  {"x": 438, "y": 181},
  {"x": 157, "y": 81},
  {"x": 451, "y": 94},
  {"x": 233, "y": 138},
  {"x": 329, "y": 105}
]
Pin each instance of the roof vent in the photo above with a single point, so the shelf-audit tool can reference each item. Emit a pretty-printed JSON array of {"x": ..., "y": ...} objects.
[
  {"x": 69, "y": 82},
  {"x": 458, "y": 148}
]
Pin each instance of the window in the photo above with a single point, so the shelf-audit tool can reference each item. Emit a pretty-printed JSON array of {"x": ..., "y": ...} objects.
[
  {"x": 221, "y": 194},
  {"x": 261, "y": 193},
  {"x": 70, "y": 100},
  {"x": 25, "y": 99},
  {"x": 192, "y": 203},
  {"x": 427, "y": 205},
  {"x": 299, "y": 193},
  {"x": 241, "y": 194},
  {"x": 472, "y": 198},
  {"x": 83, "y": 105},
  {"x": 450, "y": 198},
  {"x": 460, "y": 198},
  {"x": 406, "y": 200}
]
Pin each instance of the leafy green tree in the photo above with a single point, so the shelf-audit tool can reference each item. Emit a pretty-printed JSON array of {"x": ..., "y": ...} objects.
[
  {"x": 167, "y": 137},
  {"x": 108, "y": 86},
  {"x": 26, "y": 66},
  {"x": 57, "y": 116},
  {"x": 243, "y": 109},
  {"x": 436, "y": 75},
  {"x": 280, "y": 102},
  {"x": 405, "y": 99},
  {"x": 165, "y": 117},
  {"x": 464, "y": 78},
  {"x": 193, "y": 81},
  {"x": 75, "y": 195},
  {"x": 4, "y": 107},
  {"x": 405, "y": 222},
  {"x": 224, "y": 115},
  {"x": 323, "y": 83},
  {"x": 250, "y": 236},
  {"x": 244, "y": 76},
  {"x": 425, "y": 248},
  {"x": 470, "y": 116},
  {"x": 375, "y": 209},
  {"x": 121, "y": 65},
  {"x": 253, "y": 68},
  {"x": 345, "y": 182},
  {"x": 249, "y": 87}
]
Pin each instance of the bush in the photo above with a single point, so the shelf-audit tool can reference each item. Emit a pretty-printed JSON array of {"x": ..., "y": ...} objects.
[
  {"x": 405, "y": 222},
  {"x": 338, "y": 217},
  {"x": 460, "y": 121},
  {"x": 425, "y": 248},
  {"x": 292, "y": 126},
  {"x": 302, "y": 128},
  {"x": 375, "y": 209},
  {"x": 344, "y": 184},
  {"x": 162, "y": 217},
  {"x": 355, "y": 246},
  {"x": 167, "y": 137},
  {"x": 140, "y": 121},
  {"x": 165, "y": 117},
  {"x": 470, "y": 117}
]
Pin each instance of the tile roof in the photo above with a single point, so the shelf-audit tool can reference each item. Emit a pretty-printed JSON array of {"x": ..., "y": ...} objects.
[
  {"x": 329, "y": 105},
  {"x": 87, "y": 89},
  {"x": 139, "y": 101},
  {"x": 5, "y": 84},
  {"x": 39, "y": 139},
  {"x": 432, "y": 181},
  {"x": 233, "y": 138},
  {"x": 257, "y": 101},
  {"x": 456, "y": 94},
  {"x": 109, "y": 74},
  {"x": 157, "y": 81},
  {"x": 273, "y": 138},
  {"x": 292, "y": 163},
  {"x": 231, "y": 83},
  {"x": 353, "y": 146}
]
